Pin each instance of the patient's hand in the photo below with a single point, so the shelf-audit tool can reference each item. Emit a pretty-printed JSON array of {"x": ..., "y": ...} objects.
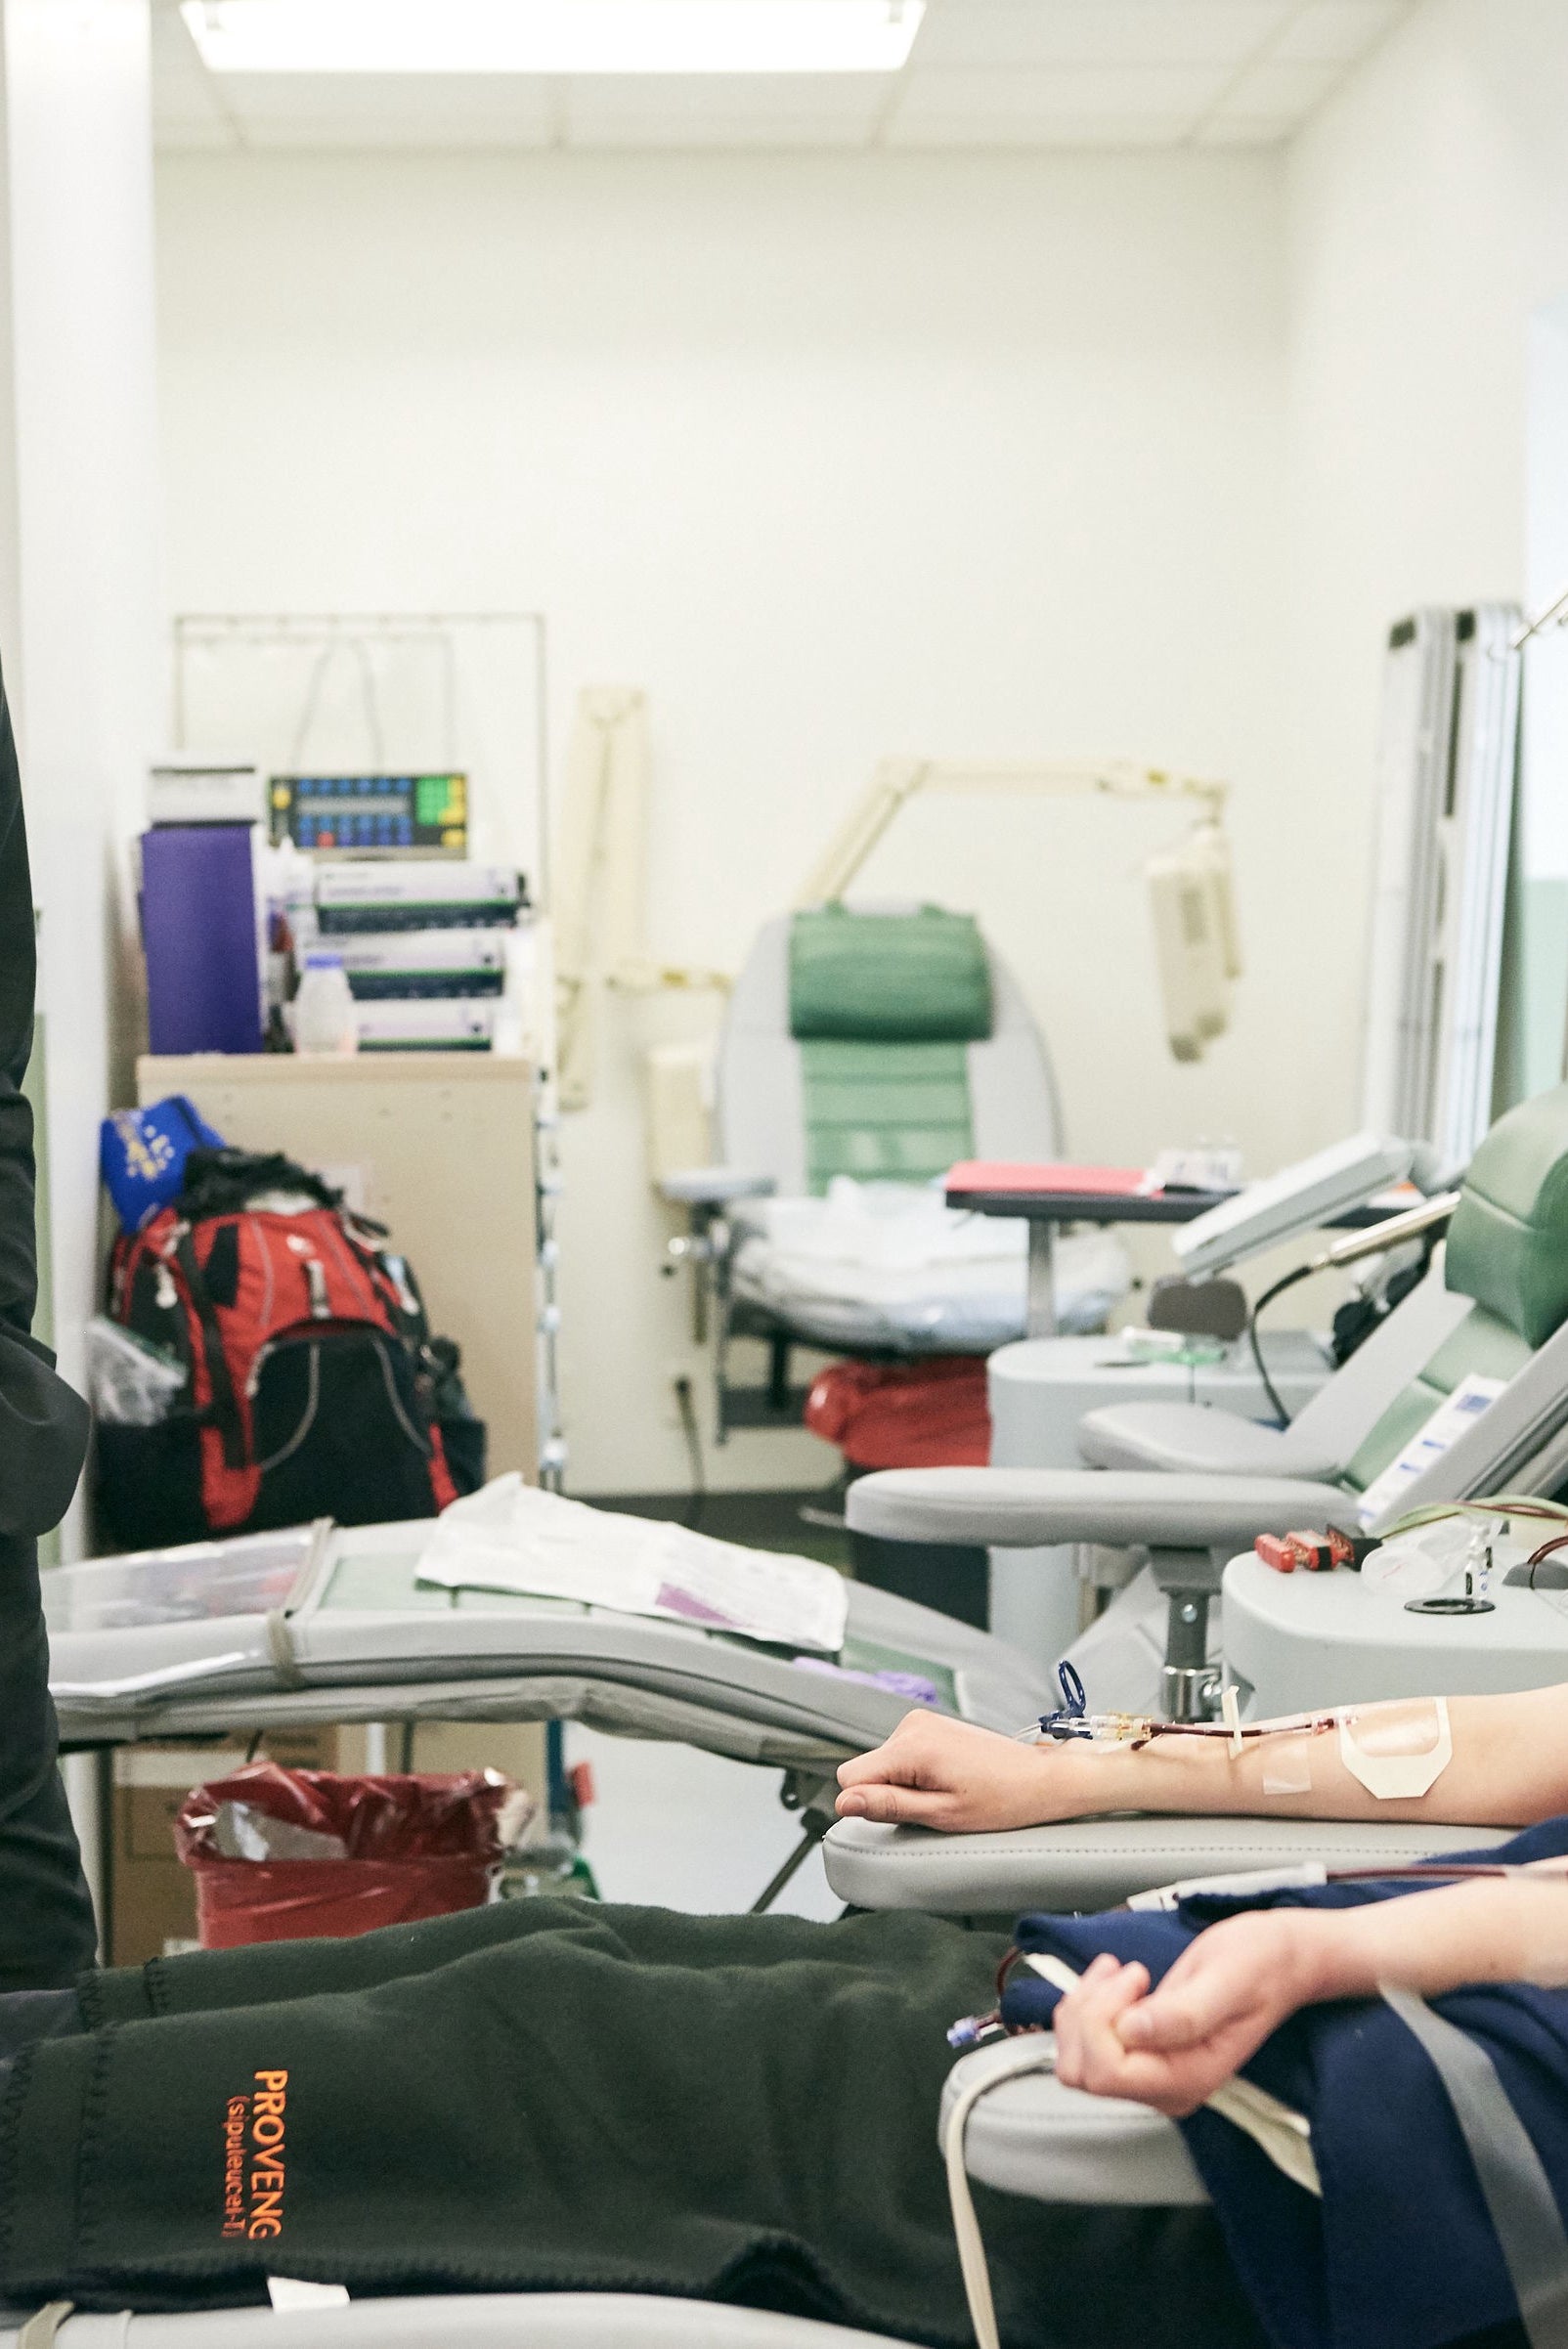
[
  {"x": 938, "y": 1772},
  {"x": 1171, "y": 2047}
]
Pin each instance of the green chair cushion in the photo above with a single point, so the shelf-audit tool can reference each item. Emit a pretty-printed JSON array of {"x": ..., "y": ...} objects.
[
  {"x": 883, "y": 1112},
  {"x": 888, "y": 979},
  {"x": 1507, "y": 1243}
]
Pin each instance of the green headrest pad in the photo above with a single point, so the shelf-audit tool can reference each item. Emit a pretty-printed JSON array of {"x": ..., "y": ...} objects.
[
  {"x": 1508, "y": 1245},
  {"x": 888, "y": 979}
]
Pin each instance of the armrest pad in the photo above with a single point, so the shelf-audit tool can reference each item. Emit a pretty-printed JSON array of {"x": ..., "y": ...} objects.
[
  {"x": 1016, "y": 1508},
  {"x": 1092, "y": 1864},
  {"x": 713, "y": 1186},
  {"x": 1033, "y": 2136},
  {"x": 1192, "y": 1439}
]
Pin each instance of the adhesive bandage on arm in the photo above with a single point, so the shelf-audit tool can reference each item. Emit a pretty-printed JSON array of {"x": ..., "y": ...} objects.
[
  {"x": 1288, "y": 1763},
  {"x": 1397, "y": 1751}
]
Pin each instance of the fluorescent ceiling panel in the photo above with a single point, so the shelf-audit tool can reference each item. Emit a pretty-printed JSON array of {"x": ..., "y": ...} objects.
[{"x": 553, "y": 37}]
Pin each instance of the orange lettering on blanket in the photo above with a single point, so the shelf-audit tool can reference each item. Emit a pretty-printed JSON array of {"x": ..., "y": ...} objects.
[{"x": 254, "y": 2171}]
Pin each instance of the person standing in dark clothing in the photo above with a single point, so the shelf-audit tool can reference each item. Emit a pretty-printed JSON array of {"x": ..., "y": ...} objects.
[{"x": 47, "y": 1930}]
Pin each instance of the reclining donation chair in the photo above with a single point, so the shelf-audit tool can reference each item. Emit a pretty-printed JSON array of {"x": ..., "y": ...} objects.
[
  {"x": 862, "y": 1054},
  {"x": 1196, "y": 1485}
]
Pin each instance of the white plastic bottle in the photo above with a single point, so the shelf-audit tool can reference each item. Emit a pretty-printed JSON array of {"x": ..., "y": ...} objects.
[{"x": 324, "y": 1008}]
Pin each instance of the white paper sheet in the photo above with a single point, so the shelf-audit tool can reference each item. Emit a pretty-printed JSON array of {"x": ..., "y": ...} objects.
[{"x": 511, "y": 1537}]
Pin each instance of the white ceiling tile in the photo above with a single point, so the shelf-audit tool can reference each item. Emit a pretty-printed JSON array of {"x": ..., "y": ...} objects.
[
  {"x": 391, "y": 109},
  {"x": 186, "y": 110},
  {"x": 1097, "y": 32},
  {"x": 1244, "y": 130},
  {"x": 720, "y": 109},
  {"x": 1336, "y": 32},
  {"x": 1054, "y": 132},
  {"x": 983, "y": 73},
  {"x": 984, "y": 94},
  {"x": 1288, "y": 90}
]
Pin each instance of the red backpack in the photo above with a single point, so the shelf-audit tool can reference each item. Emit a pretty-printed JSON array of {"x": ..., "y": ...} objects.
[{"x": 313, "y": 1385}]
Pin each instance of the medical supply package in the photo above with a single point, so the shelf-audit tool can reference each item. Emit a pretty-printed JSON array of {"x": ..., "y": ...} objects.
[{"x": 512, "y": 1537}]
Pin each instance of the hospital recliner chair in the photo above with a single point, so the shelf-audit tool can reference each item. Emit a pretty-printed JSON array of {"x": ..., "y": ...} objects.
[
  {"x": 879, "y": 1045},
  {"x": 1196, "y": 1485},
  {"x": 327, "y": 1623}
]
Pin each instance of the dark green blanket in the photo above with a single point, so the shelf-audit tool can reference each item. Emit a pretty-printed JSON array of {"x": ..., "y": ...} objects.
[{"x": 551, "y": 2094}]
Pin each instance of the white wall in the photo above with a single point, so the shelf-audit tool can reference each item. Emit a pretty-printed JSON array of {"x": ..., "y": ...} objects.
[
  {"x": 78, "y": 535},
  {"x": 836, "y": 457},
  {"x": 1428, "y": 230}
]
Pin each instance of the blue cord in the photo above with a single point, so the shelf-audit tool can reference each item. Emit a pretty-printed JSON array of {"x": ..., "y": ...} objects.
[{"x": 1069, "y": 1720}]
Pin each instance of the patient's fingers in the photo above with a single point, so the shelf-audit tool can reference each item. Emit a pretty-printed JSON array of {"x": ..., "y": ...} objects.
[
  {"x": 1185, "y": 2014},
  {"x": 1089, "y": 2053},
  {"x": 923, "y": 1746},
  {"x": 897, "y": 1805}
]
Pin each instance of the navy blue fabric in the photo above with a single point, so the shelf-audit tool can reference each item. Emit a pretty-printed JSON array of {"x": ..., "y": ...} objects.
[{"x": 1400, "y": 2253}]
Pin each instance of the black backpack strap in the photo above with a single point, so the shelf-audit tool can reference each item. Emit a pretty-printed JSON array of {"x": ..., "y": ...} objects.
[
  {"x": 222, "y": 1182},
  {"x": 225, "y": 1405}
]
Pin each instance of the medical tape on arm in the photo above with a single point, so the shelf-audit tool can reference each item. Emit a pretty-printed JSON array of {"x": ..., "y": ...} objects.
[{"x": 1399, "y": 1751}]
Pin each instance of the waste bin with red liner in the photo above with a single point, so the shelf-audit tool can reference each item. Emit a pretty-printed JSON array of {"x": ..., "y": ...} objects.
[{"x": 287, "y": 1856}]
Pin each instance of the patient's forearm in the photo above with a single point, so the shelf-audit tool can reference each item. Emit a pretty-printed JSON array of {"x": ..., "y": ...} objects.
[
  {"x": 1510, "y": 1766},
  {"x": 1437, "y": 1941}
]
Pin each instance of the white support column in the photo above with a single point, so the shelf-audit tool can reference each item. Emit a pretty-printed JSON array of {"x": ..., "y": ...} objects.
[{"x": 79, "y": 602}]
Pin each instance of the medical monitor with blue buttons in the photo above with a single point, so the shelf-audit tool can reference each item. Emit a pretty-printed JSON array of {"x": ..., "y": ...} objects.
[{"x": 371, "y": 815}]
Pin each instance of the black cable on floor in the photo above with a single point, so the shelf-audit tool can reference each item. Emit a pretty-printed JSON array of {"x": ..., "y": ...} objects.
[
  {"x": 1269, "y": 1295},
  {"x": 686, "y": 1405}
]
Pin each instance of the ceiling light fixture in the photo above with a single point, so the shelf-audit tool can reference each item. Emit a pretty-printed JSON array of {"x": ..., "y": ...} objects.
[{"x": 553, "y": 37}]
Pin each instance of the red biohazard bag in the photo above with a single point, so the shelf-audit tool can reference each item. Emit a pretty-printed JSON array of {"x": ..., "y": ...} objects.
[
  {"x": 917, "y": 1414},
  {"x": 292, "y": 1855},
  {"x": 313, "y": 1387}
]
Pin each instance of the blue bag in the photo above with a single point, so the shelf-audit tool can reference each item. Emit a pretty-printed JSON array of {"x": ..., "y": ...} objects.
[{"x": 142, "y": 1155}]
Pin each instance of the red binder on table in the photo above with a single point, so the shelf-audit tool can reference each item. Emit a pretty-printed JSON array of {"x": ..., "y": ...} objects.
[{"x": 1002, "y": 1175}]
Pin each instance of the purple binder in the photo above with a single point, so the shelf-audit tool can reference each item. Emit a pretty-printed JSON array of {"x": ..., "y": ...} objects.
[{"x": 201, "y": 933}]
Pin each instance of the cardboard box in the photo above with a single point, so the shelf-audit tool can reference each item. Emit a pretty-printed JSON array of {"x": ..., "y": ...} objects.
[{"x": 152, "y": 1896}]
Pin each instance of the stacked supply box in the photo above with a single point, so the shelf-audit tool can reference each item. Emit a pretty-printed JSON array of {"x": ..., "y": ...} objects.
[{"x": 426, "y": 947}]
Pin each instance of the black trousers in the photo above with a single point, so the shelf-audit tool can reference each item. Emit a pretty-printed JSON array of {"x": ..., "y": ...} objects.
[{"x": 47, "y": 1932}]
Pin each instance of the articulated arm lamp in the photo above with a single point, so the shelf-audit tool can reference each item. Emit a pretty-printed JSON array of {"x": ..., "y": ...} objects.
[
  {"x": 1191, "y": 892},
  {"x": 596, "y": 901}
]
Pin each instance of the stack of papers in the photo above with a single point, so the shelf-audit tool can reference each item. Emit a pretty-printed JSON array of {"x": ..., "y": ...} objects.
[{"x": 510, "y": 1537}]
